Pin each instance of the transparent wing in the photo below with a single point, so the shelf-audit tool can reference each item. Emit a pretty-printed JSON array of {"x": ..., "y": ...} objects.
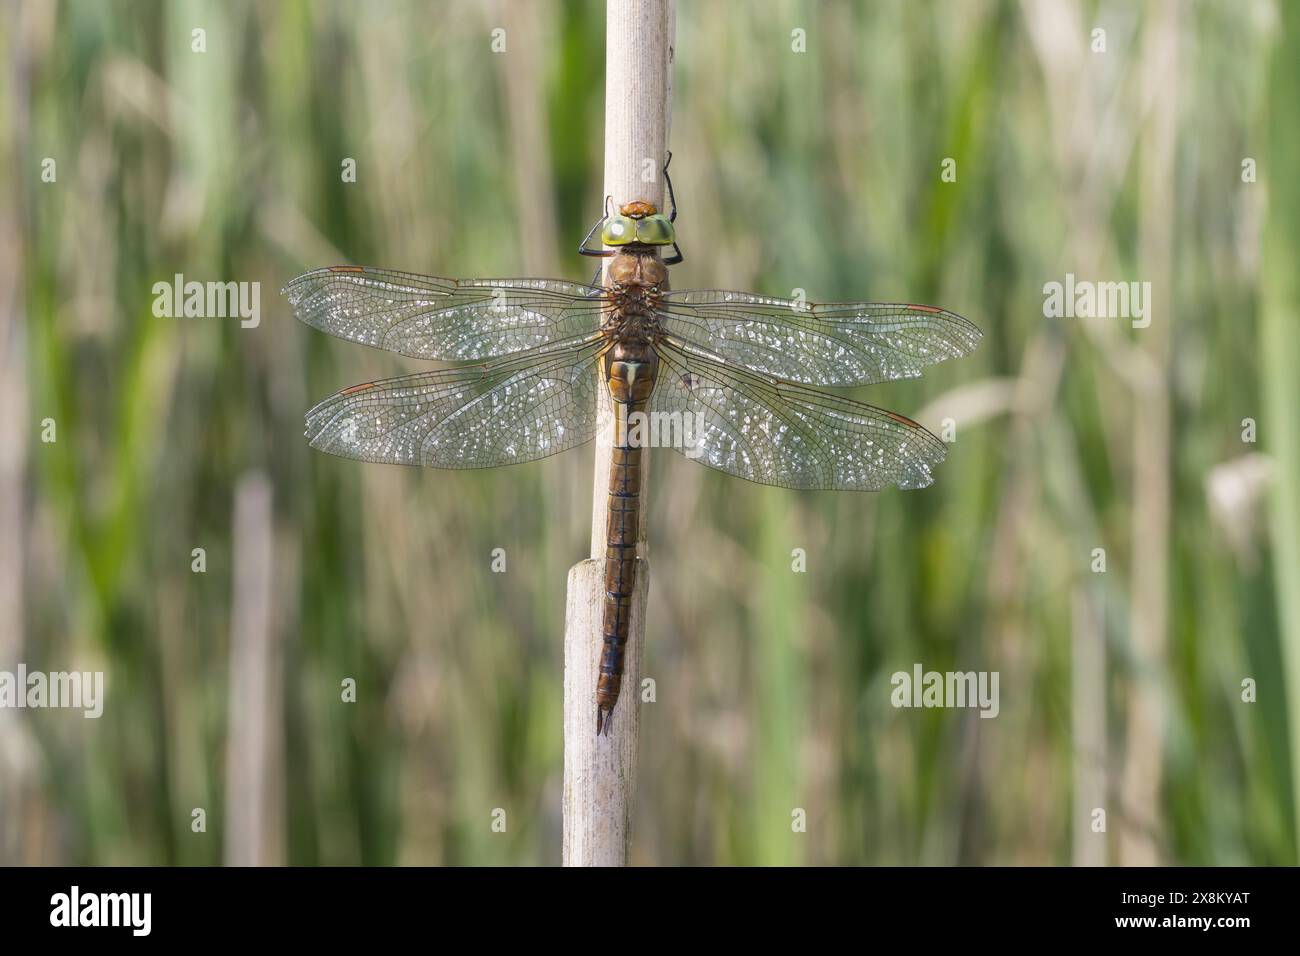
[
  {"x": 446, "y": 319},
  {"x": 781, "y": 433},
  {"x": 516, "y": 409},
  {"x": 844, "y": 343}
]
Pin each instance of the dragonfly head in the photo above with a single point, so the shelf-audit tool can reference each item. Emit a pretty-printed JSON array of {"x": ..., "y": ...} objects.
[{"x": 638, "y": 221}]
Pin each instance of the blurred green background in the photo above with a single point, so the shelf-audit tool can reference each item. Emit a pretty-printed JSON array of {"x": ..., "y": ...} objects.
[{"x": 820, "y": 170}]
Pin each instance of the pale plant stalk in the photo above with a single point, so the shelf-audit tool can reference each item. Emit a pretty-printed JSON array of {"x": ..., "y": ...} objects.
[
  {"x": 252, "y": 745},
  {"x": 600, "y": 772},
  {"x": 19, "y": 762}
]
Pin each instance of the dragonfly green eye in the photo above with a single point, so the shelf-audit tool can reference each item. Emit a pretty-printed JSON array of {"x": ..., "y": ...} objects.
[
  {"x": 655, "y": 230},
  {"x": 618, "y": 231}
]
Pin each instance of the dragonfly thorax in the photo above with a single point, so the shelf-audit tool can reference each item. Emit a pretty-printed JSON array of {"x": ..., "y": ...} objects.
[
  {"x": 634, "y": 295},
  {"x": 635, "y": 269}
]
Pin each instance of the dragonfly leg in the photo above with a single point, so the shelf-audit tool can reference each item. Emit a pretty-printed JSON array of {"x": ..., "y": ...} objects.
[
  {"x": 582, "y": 246},
  {"x": 672, "y": 216},
  {"x": 668, "y": 180}
]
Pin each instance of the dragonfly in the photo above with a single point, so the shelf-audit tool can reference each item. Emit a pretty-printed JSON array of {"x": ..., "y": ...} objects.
[{"x": 749, "y": 371}]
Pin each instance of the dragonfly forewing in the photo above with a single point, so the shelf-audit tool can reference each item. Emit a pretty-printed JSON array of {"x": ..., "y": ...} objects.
[
  {"x": 838, "y": 344},
  {"x": 443, "y": 319},
  {"x": 520, "y": 408},
  {"x": 781, "y": 433}
]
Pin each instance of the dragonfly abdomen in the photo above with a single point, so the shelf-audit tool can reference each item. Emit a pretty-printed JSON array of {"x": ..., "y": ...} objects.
[{"x": 630, "y": 375}]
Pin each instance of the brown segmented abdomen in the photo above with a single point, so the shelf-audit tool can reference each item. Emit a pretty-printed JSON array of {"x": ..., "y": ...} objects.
[{"x": 630, "y": 375}]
